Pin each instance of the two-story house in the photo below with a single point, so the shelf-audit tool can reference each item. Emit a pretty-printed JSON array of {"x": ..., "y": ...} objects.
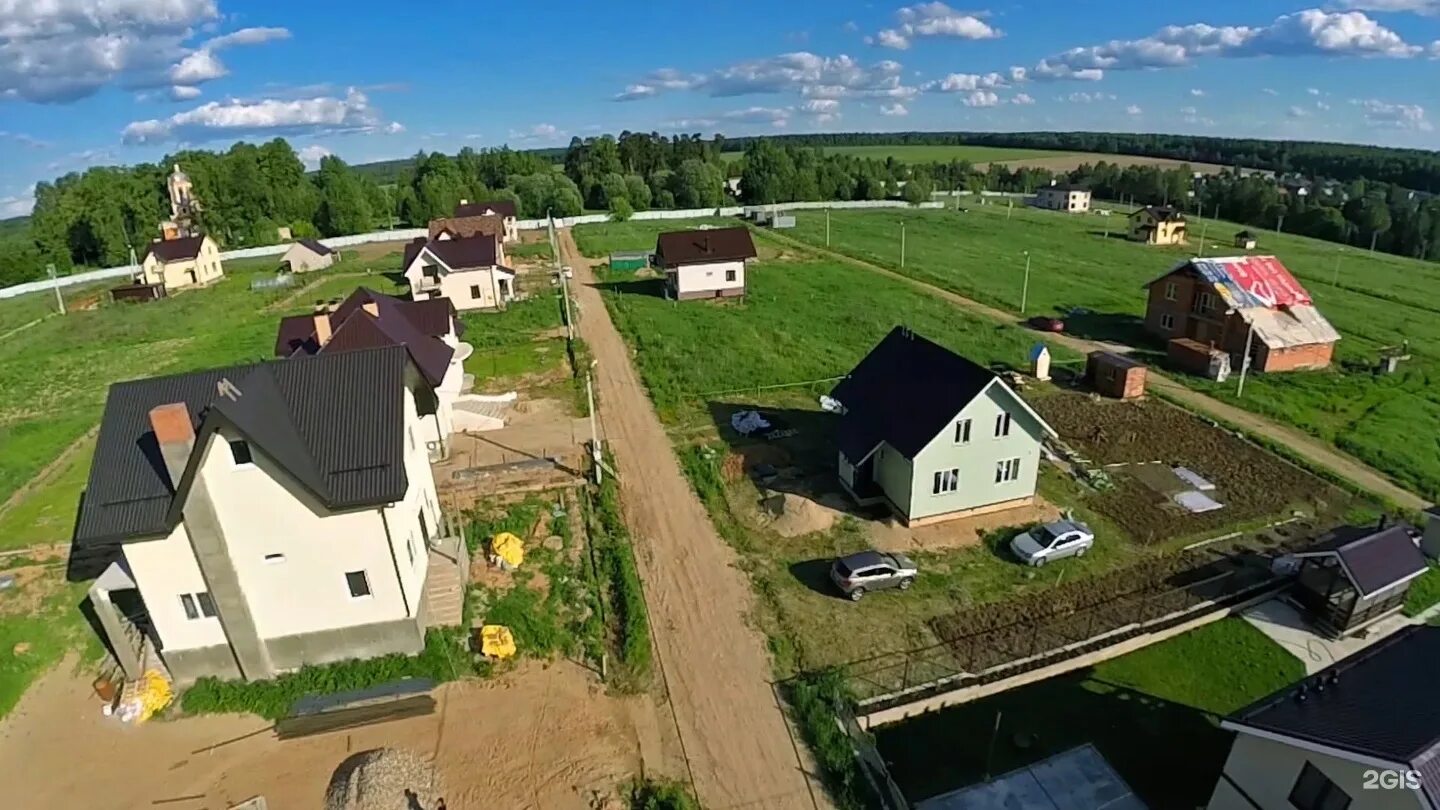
[
  {"x": 366, "y": 319},
  {"x": 247, "y": 521},
  {"x": 933, "y": 435},
  {"x": 470, "y": 271},
  {"x": 1065, "y": 197},
  {"x": 1158, "y": 225},
  {"x": 1362, "y": 734},
  {"x": 704, "y": 263},
  {"x": 493, "y": 218},
  {"x": 179, "y": 263},
  {"x": 1229, "y": 302}
]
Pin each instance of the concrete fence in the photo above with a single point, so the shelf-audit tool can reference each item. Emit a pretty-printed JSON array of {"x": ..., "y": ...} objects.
[{"x": 406, "y": 234}]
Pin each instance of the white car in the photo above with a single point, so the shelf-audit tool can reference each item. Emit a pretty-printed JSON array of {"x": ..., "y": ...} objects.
[{"x": 1053, "y": 541}]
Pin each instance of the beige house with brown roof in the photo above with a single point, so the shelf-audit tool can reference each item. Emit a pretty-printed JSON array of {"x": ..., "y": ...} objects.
[
  {"x": 495, "y": 218},
  {"x": 307, "y": 255},
  {"x": 180, "y": 263}
]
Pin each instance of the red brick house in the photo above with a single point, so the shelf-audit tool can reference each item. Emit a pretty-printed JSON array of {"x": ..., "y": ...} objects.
[{"x": 1218, "y": 301}]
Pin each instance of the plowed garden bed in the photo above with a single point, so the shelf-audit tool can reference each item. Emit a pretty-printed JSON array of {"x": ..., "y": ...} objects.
[{"x": 1252, "y": 484}]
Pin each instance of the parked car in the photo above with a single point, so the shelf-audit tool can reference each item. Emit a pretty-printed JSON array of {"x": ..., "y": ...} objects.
[
  {"x": 1053, "y": 541},
  {"x": 857, "y": 574},
  {"x": 1045, "y": 323},
  {"x": 568, "y": 271}
]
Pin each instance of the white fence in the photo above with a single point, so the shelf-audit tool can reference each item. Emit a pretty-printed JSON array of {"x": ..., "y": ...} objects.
[{"x": 406, "y": 234}]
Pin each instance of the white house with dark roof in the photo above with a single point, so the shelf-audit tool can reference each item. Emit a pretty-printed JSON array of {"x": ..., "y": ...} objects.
[
  {"x": 933, "y": 435},
  {"x": 306, "y": 255},
  {"x": 1363, "y": 734},
  {"x": 704, "y": 263},
  {"x": 179, "y": 263},
  {"x": 243, "y": 522},
  {"x": 470, "y": 271}
]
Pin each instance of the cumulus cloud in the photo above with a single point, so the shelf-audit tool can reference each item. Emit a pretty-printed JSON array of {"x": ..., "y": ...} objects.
[
  {"x": 235, "y": 118},
  {"x": 312, "y": 154},
  {"x": 1385, "y": 115},
  {"x": 1426, "y": 7},
  {"x": 1270, "y": 91},
  {"x": 932, "y": 20},
  {"x": 195, "y": 68},
  {"x": 1311, "y": 32},
  {"x": 774, "y": 116},
  {"x": 964, "y": 83},
  {"x": 1087, "y": 98},
  {"x": 1197, "y": 92},
  {"x": 1314, "y": 91},
  {"x": 394, "y": 128},
  {"x": 183, "y": 93},
  {"x": 1023, "y": 99},
  {"x": 981, "y": 98},
  {"x": 1298, "y": 112},
  {"x": 896, "y": 110},
  {"x": 1134, "y": 109},
  {"x": 808, "y": 74},
  {"x": 246, "y": 36},
  {"x": 635, "y": 92},
  {"x": 18, "y": 205}
]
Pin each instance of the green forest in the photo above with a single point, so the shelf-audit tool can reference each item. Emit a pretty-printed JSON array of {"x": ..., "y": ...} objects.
[{"x": 1376, "y": 198}]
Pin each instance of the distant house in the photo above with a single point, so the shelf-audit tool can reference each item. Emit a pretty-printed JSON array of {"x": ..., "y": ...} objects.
[
  {"x": 1158, "y": 225},
  {"x": 308, "y": 254},
  {"x": 243, "y": 522},
  {"x": 933, "y": 435},
  {"x": 1063, "y": 197},
  {"x": 1245, "y": 240},
  {"x": 1218, "y": 302},
  {"x": 469, "y": 271},
  {"x": 1357, "y": 575},
  {"x": 707, "y": 263},
  {"x": 429, "y": 331},
  {"x": 179, "y": 263},
  {"x": 1363, "y": 733},
  {"x": 494, "y": 218}
]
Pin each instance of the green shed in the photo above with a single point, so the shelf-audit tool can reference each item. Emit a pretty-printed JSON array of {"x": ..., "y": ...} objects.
[{"x": 630, "y": 260}]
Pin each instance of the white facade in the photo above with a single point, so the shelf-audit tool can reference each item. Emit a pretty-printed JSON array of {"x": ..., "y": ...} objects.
[
  {"x": 479, "y": 288},
  {"x": 712, "y": 279},
  {"x": 203, "y": 269},
  {"x": 1267, "y": 768},
  {"x": 1070, "y": 200},
  {"x": 302, "y": 259},
  {"x": 291, "y": 554}
]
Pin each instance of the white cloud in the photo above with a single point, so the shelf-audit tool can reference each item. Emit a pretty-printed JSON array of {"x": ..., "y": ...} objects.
[
  {"x": 246, "y": 36},
  {"x": 933, "y": 20},
  {"x": 1188, "y": 111},
  {"x": 394, "y": 128},
  {"x": 1298, "y": 112},
  {"x": 1384, "y": 115},
  {"x": 1270, "y": 91},
  {"x": 964, "y": 83},
  {"x": 1434, "y": 49},
  {"x": 635, "y": 91},
  {"x": 1311, "y": 32},
  {"x": 1314, "y": 91},
  {"x": 182, "y": 93},
  {"x": 1197, "y": 92},
  {"x": 24, "y": 140},
  {"x": 19, "y": 205},
  {"x": 235, "y": 118},
  {"x": 896, "y": 110},
  {"x": 1023, "y": 99},
  {"x": 808, "y": 74},
  {"x": 981, "y": 98},
  {"x": 197, "y": 67},
  {"x": 1134, "y": 109},
  {"x": 1425, "y": 7},
  {"x": 1087, "y": 98},
  {"x": 823, "y": 110},
  {"x": 1320, "y": 105},
  {"x": 775, "y": 116},
  {"x": 312, "y": 154}
]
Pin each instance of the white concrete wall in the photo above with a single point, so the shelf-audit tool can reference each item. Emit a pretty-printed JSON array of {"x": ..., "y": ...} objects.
[
  {"x": 1267, "y": 770},
  {"x": 404, "y": 517},
  {"x": 709, "y": 277},
  {"x": 163, "y": 570},
  {"x": 461, "y": 288},
  {"x": 977, "y": 459},
  {"x": 894, "y": 473}
]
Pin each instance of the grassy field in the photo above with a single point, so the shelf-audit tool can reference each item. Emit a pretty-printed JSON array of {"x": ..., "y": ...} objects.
[
  {"x": 1375, "y": 300},
  {"x": 40, "y": 622},
  {"x": 524, "y": 339},
  {"x": 599, "y": 241},
  {"x": 1152, "y": 714},
  {"x": 931, "y": 154}
]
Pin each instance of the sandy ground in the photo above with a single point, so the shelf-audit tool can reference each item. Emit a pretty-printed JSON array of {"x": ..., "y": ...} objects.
[
  {"x": 733, "y": 731},
  {"x": 1310, "y": 448},
  {"x": 959, "y": 533},
  {"x": 540, "y": 737},
  {"x": 1066, "y": 163}
]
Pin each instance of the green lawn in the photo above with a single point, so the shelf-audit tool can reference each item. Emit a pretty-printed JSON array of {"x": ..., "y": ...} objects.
[
  {"x": 930, "y": 154},
  {"x": 46, "y": 516},
  {"x": 510, "y": 344},
  {"x": 40, "y": 622},
  {"x": 1152, "y": 714},
  {"x": 530, "y": 250},
  {"x": 1379, "y": 300},
  {"x": 600, "y": 240},
  {"x": 1424, "y": 592}
]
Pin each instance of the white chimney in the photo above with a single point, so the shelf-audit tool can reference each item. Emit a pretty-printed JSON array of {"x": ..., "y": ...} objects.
[{"x": 322, "y": 327}]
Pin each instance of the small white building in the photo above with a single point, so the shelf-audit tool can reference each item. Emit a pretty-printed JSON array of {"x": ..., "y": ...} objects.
[
  {"x": 243, "y": 522},
  {"x": 706, "y": 263},
  {"x": 1063, "y": 197},
  {"x": 179, "y": 263},
  {"x": 469, "y": 271},
  {"x": 306, "y": 255}
]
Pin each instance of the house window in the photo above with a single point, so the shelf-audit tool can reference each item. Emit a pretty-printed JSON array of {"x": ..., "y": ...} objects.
[
  {"x": 1205, "y": 302},
  {"x": 962, "y": 431},
  {"x": 474, "y": 290},
  {"x": 240, "y": 452},
  {"x": 729, "y": 275},
  {"x": 1314, "y": 791},
  {"x": 359, "y": 584},
  {"x": 410, "y": 548},
  {"x": 1171, "y": 291},
  {"x": 197, "y": 605},
  {"x": 1110, "y": 374},
  {"x": 946, "y": 481},
  {"x": 1167, "y": 322},
  {"x": 1007, "y": 471},
  {"x": 1002, "y": 424}
]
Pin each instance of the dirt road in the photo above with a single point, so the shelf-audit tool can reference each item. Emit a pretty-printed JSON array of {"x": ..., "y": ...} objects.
[
  {"x": 716, "y": 668},
  {"x": 1306, "y": 446},
  {"x": 543, "y": 737}
]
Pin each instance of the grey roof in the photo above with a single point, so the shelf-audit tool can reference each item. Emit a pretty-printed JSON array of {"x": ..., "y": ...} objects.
[
  {"x": 315, "y": 247},
  {"x": 464, "y": 253},
  {"x": 1373, "y": 558},
  {"x": 904, "y": 392},
  {"x": 1379, "y": 702},
  {"x": 174, "y": 250},
  {"x": 333, "y": 421}
]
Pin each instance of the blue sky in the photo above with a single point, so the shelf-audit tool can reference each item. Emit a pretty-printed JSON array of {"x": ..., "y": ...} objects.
[{"x": 120, "y": 81}]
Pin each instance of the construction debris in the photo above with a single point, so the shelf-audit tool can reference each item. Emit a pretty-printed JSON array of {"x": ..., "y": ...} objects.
[{"x": 383, "y": 779}]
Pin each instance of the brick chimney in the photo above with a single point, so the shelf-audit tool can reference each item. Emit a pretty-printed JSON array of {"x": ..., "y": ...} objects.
[
  {"x": 176, "y": 436},
  {"x": 322, "y": 327},
  {"x": 372, "y": 308}
]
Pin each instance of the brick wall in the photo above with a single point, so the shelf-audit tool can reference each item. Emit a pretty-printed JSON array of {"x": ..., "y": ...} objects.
[{"x": 1314, "y": 355}]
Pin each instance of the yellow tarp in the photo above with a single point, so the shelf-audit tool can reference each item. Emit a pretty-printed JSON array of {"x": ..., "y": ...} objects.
[
  {"x": 508, "y": 547},
  {"x": 496, "y": 641},
  {"x": 154, "y": 695}
]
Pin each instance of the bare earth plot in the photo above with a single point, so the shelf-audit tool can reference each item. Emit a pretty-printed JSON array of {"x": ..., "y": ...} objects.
[{"x": 733, "y": 732}]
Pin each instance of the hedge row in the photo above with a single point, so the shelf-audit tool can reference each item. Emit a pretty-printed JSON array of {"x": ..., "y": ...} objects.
[{"x": 616, "y": 561}]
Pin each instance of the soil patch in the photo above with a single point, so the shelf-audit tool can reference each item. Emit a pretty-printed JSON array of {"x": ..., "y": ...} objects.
[{"x": 961, "y": 533}]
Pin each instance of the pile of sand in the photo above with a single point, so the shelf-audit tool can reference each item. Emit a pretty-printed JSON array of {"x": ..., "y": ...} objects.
[
  {"x": 796, "y": 515},
  {"x": 383, "y": 779}
]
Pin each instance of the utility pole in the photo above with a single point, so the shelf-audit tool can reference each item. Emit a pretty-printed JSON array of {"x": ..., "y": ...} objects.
[
  {"x": 55, "y": 282},
  {"x": 902, "y": 243},
  {"x": 827, "y": 227},
  {"x": 1280, "y": 224},
  {"x": 1335, "y": 277},
  {"x": 1025, "y": 287},
  {"x": 1009, "y": 210},
  {"x": 1245, "y": 363},
  {"x": 594, "y": 435},
  {"x": 1204, "y": 228}
]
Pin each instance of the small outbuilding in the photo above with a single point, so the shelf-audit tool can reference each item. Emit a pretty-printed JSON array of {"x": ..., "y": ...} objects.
[
  {"x": 1246, "y": 240},
  {"x": 307, "y": 255},
  {"x": 628, "y": 261},
  {"x": 1115, "y": 375},
  {"x": 1358, "y": 574},
  {"x": 1196, "y": 358},
  {"x": 704, "y": 263}
]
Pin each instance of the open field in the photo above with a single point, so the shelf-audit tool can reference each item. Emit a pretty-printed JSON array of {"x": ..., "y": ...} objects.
[
  {"x": 1152, "y": 714},
  {"x": 1070, "y": 161},
  {"x": 983, "y": 156},
  {"x": 599, "y": 241},
  {"x": 1375, "y": 300}
]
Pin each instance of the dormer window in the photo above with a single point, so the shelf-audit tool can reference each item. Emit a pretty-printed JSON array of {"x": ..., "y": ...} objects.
[{"x": 240, "y": 452}]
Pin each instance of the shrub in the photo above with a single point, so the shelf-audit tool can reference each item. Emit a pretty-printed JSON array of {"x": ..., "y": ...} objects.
[
  {"x": 815, "y": 699},
  {"x": 616, "y": 564},
  {"x": 652, "y": 795},
  {"x": 1424, "y": 592}
]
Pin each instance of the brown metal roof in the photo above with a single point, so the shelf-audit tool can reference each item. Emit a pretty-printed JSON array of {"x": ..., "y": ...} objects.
[
  {"x": 709, "y": 245},
  {"x": 461, "y": 227},
  {"x": 175, "y": 250},
  {"x": 466, "y": 253},
  {"x": 416, "y": 325},
  {"x": 505, "y": 208}
]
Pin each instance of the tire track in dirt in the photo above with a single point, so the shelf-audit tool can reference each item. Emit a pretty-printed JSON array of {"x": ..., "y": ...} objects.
[{"x": 718, "y": 673}]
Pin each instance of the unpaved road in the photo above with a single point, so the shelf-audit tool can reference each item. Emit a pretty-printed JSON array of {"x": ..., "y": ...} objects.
[
  {"x": 540, "y": 738},
  {"x": 1308, "y": 447},
  {"x": 716, "y": 668}
]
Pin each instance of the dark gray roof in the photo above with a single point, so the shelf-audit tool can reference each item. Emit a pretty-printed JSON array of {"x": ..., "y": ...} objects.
[
  {"x": 333, "y": 421},
  {"x": 1374, "y": 558},
  {"x": 1162, "y": 213},
  {"x": 417, "y": 325},
  {"x": 173, "y": 250},
  {"x": 1379, "y": 702},
  {"x": 315, "y": 246},
  {"x": 705, "y": 245},
  {"x": 904, "y": 392},
  {"x": 464, "y": 253}
]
